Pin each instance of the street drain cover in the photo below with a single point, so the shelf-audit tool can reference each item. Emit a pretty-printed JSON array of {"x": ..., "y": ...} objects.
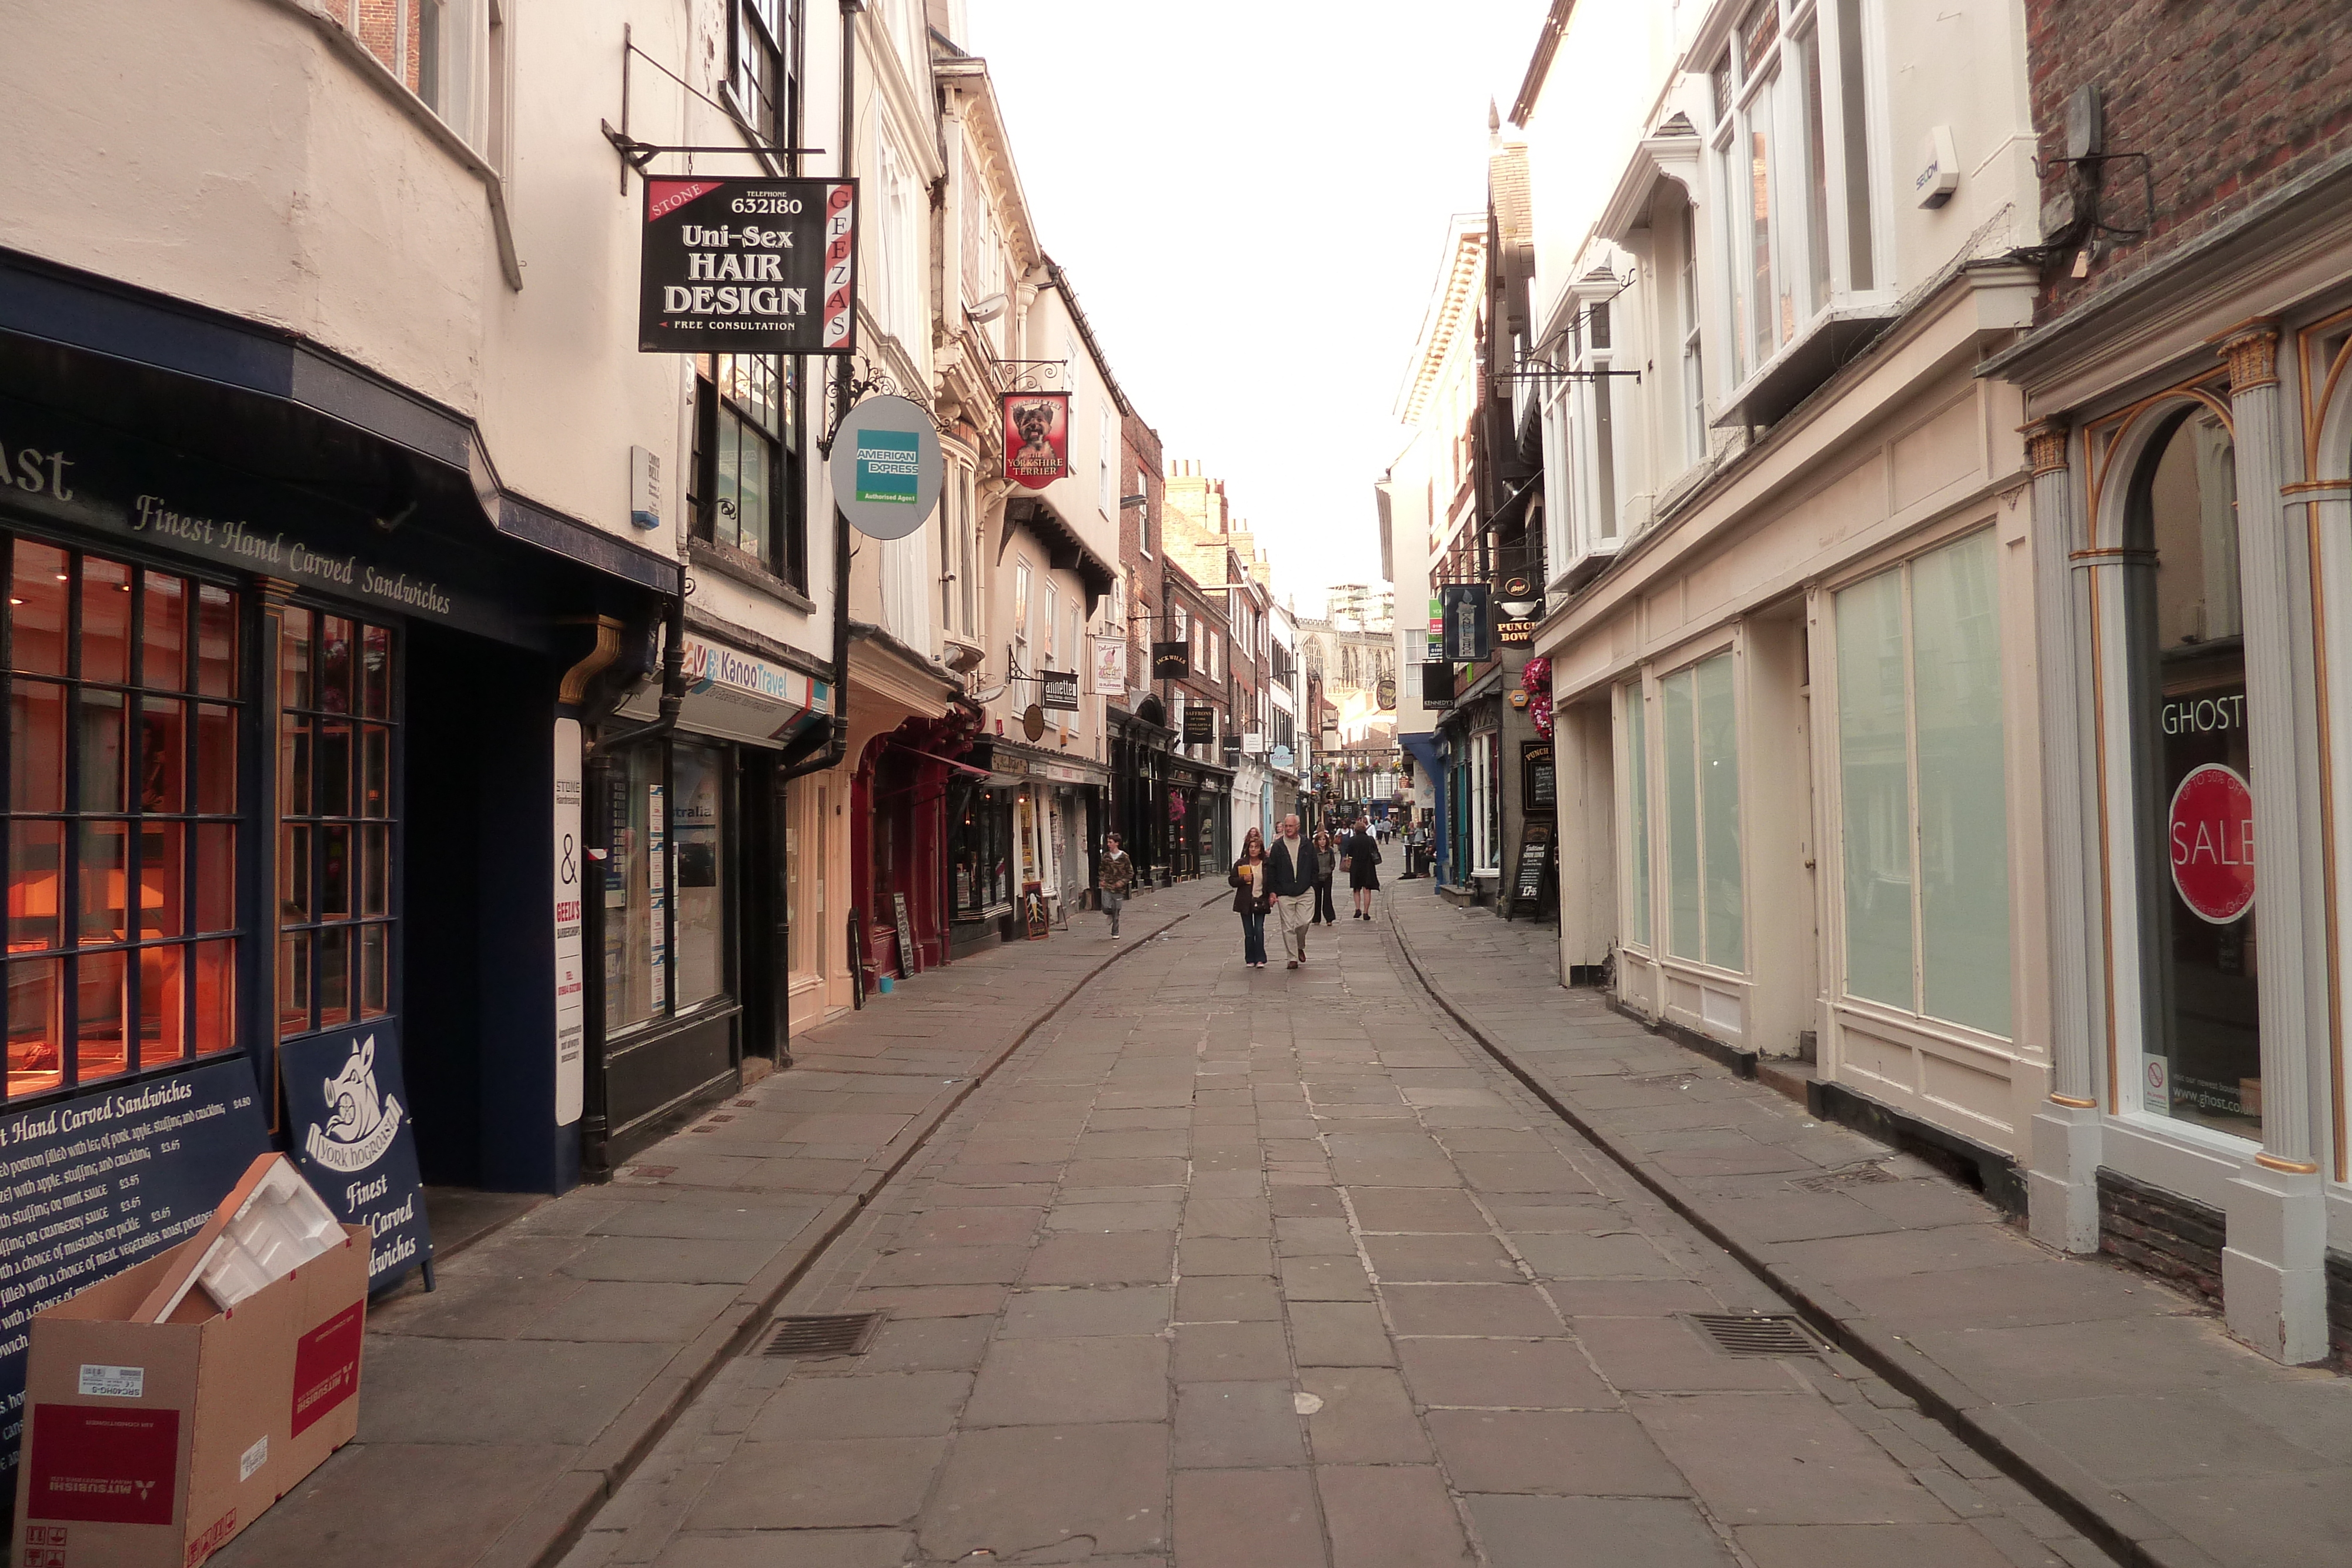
[
  {"x": 839, "y": 1333},
  {"x": 1757, "y": 1334}
]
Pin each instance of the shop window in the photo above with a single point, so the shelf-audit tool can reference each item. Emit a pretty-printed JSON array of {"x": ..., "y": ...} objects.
[
  {"x": 123, "y": 793},
  {"x": 1699, "y": 728},
  {"x": 1922, "y": 776},
  {"x": 335, "y": 820},
  {"x": 745, "y": 485},
  {"x": 666, "y": 910},
  {"x": 1636, "y": 743},
  {"x": 1021, "y": 583},
  {"x": 2203, "y": 1041}
]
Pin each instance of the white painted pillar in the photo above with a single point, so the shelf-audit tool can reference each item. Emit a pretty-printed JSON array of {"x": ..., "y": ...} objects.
[
  {"x": 2273, "y": 1286},
  {"x": 2061, "y": 1180}
]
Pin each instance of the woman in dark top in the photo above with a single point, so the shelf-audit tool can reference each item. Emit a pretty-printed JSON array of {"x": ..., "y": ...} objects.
[
  {"x": 1252, "y": 897},
  {"x": 1363, "y": 852},
  {"x": 1326, "y": 859}
]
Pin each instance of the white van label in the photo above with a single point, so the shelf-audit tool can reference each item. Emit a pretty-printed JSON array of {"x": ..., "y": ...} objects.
[
  {"x": 255, "y": 1458},
  {"x": 114, "y": 1382}
]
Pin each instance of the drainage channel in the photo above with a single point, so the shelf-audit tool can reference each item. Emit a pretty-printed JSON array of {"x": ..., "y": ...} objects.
[{"x": 2079, "y": 1510}]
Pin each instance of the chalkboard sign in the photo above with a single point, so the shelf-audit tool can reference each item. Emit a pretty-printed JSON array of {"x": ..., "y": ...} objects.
[
  {"x": 908, "y": 959},
  {"x": 90, "y": 1186},
  {"x": 1539, "y": 774},
  {"x": 352, "y": 1131},
  {"x": 1034, "y": 915},
  {"x": 1534, "y": 854}
]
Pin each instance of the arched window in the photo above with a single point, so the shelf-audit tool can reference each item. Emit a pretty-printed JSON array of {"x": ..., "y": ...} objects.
[{"x": 2201, "y": 1056}]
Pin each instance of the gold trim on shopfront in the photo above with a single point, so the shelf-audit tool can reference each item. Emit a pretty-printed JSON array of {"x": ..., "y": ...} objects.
[
  {"x": 2068, "y": 1100},
  {"x": 2292, "y": 1167},
  {"x": 2122, "y": 555},
  {"x": 2045, "y": 445},
  {"x": 2250, "y": 351}
]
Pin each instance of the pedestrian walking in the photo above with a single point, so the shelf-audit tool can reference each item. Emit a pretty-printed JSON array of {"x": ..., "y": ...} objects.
[
  {"x": 1115, "y": 878},
  {"x": 1291, "y": 871},
  {"x": 1363, "y": 860},
  {"x": 1326, "y": 862},
  {"x": 1253, "y": 892}
]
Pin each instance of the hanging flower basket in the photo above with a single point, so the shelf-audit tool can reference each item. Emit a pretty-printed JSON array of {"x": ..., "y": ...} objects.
[
  {"x": 1539, "y": 712},
  {"x": 1536, "y": 676}
]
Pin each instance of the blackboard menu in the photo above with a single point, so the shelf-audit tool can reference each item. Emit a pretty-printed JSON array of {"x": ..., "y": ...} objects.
[
  {"x": 90, "y": 1186},
  {"x": 1538, "y": 776},
  {"x": 906, "y": 937},
  {"x": 1534, "y": 854}
]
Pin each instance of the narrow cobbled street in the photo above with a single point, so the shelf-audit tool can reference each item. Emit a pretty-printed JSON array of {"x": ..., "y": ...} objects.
[{"x": 1270, "y": 1269}]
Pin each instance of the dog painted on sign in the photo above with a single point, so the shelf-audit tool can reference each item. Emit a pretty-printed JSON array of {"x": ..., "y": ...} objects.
[{"x": 1035, "y": 456}]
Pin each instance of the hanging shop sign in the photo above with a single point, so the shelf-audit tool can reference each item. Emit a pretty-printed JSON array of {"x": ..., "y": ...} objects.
[
  {"x": 95, "y": 1184},
  {"x": 1518, "y": 599},
  {"x": 1106, "y": 664},
  {"x": 1231, "y": 746},
  {"x": 1282, "y": 759},
  {"x": 2211, "y": 826},
  {"x": 1466, "y": 621},
  {"x": 1200, "y": 725},
  {"x": 1385, "y": 694},
  {"x": 1172, "y": 661},
  {"x": 1060, "y": 691},
  {"x": 885, "y": 468},
  {"x": 1437, "y": 683},
  {"x": 347, "y": 1111},
  {"x": 1036, "y": 433},
  {"x": 749, "y": 266}
]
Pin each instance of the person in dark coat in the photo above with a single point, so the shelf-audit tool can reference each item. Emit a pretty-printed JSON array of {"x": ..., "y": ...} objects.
[
  {"x": 1327, "y": 861},
  {"x": 1253, "y": 896},
  {"x": 1363, "y": 857},
  {"x": 1290, "y": 868}
]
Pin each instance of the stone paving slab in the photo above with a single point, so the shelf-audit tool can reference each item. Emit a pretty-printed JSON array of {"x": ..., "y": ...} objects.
[
  {"x": 500, "y": 1411},
  {"x": 2117, "y": 1401},
  {"x": 1293, "y": 1335}
]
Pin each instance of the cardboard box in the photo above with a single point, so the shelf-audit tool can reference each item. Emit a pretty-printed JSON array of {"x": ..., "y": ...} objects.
[{"x": 150, "y": 1445}]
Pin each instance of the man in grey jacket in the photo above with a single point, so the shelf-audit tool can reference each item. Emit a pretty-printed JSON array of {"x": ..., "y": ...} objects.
[{"x": 1291, "y": 870}]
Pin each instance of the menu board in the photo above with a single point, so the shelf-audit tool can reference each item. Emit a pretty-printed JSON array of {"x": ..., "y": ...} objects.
[
  {"x": 90, "y": 1186},
  {"x": 1534, "y": 854}
]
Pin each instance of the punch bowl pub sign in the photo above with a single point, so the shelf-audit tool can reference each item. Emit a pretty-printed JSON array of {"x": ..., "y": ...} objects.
[{"x": 749, "y": 266}]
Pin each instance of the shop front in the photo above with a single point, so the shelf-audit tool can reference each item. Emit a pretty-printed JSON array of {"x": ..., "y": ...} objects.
[
  {"x": 1139, "y": 807},
  {"x": 690, "y": 826},
  {"x": 2191, "y": 455},
  {"x": 279, "y": 777}
]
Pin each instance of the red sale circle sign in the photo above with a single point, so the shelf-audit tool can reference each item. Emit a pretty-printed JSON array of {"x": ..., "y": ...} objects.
[{"x": 2212, "y": 829}]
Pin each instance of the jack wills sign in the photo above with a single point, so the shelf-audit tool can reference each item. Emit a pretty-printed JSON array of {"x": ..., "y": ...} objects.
[{"x": 749, "y": 266}]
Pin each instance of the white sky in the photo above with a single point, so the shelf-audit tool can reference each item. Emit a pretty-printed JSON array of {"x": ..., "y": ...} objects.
[{"x": 1250, "y": 197}]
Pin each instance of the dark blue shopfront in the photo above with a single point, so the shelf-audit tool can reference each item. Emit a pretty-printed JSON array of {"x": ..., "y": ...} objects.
[{"x": 283, "y": 669}]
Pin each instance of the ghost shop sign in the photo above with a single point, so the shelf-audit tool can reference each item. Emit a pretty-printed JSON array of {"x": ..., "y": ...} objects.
[{"x": 749, "y": 266}]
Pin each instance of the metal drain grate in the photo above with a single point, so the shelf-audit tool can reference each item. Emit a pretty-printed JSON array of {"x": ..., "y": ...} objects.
[
  {"x": 1665, "y": 1080},
  {"x": 1851, "y": 1176},
  {"x": 839, "y": 1333},
  {"x": 1757, "y": 1334}
]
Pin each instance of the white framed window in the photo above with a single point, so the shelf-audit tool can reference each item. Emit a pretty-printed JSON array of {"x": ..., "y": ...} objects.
[
  {"x": 1792, "y": 170},
  {"x": 1560, "y": 468},
  {"x": 1071, "y": 636},
  {"x": 1699, "y": 733},
  {"x": 1694, "y": 387},
  {"x": 1021, "y": 583},
  {"x": 1593, "y": 355},
  {"x": 1922, "y": 824},
  {"x": 1106, "y": 461}
]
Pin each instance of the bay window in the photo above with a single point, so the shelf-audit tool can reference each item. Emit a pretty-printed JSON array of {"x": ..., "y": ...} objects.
[{"x": 1792, "y": 170}]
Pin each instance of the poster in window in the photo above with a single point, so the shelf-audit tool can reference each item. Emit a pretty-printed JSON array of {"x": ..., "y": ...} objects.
[
  {"x": 747, "y": 266},
  {"x": 1036, "y": 437}
]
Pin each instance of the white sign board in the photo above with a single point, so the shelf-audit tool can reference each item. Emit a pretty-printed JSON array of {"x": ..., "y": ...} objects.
[
  {"x": 570, "y": 974},
  {"x": 1108, "y": 667}
]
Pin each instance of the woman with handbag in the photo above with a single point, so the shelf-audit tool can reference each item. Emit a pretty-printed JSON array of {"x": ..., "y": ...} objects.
[
  {"x": 1363, "y": 867},
  {"x": 1252, "y": 898},
  {"x": 1327, "y": 861}
]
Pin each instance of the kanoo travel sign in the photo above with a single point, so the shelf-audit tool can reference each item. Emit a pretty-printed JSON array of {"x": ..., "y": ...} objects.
[{"x": 749, "y": 266}]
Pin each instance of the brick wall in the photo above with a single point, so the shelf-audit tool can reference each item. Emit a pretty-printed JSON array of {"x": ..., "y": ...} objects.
[
  {"x": 1140, "y": 473},
  {"x": 2175, "y": 1238},
  {"x": 2231, "y": 99}
]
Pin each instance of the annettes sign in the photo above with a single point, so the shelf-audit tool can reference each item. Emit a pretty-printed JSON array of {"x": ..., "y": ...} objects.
[{"x": 749, "y": 266}]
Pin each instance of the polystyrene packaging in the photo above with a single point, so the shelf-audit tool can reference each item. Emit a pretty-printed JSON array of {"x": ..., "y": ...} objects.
[{"x": 283, "y": 1225}]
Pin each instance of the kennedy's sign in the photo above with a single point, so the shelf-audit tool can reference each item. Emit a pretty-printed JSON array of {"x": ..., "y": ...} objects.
[{"x": 749, "y": 266}]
